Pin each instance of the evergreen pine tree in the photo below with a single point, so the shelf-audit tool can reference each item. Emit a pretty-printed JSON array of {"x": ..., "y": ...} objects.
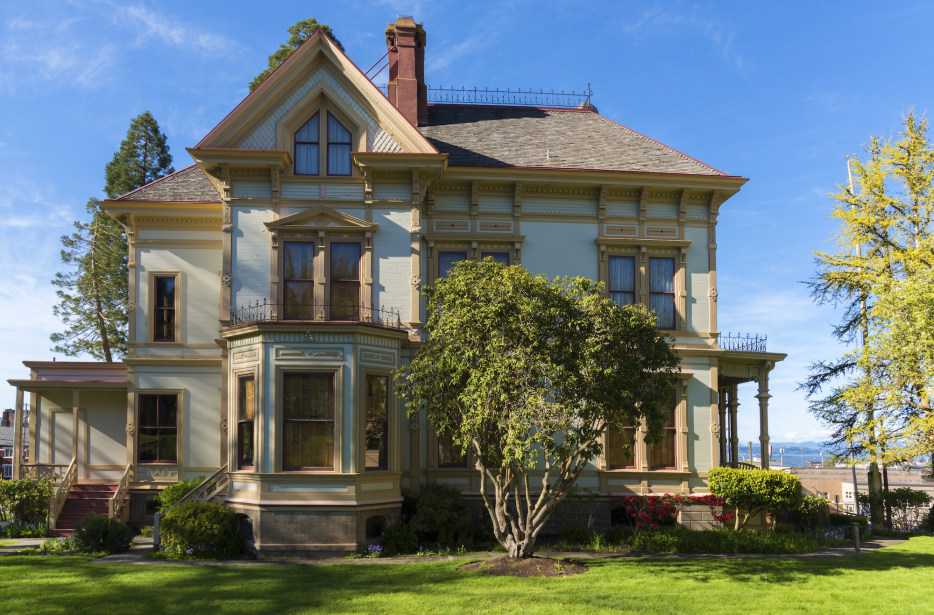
[
  {"x": 92, "y": 292},
  {"x": 299, "y": 33}
]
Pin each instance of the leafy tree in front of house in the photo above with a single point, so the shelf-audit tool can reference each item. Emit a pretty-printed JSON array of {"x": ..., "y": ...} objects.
[
  {"x": 298, "y": 34},
  {"x": 526, "y": 374},
  {"x": 753, "y": 492},
  {"x": 92, "y": 292}
]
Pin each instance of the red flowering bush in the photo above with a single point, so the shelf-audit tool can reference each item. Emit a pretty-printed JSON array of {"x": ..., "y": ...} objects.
[{"x": 643, "y": 512}]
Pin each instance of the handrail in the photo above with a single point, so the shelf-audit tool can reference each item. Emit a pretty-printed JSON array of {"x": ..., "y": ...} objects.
[
  {"x": 212, "y": 485},
  {"x": 116, "y": 502},
  {"x": 61, "y": 493},
  {"x": 747, "y": 466},
  {"x": 38, "y": 471}
]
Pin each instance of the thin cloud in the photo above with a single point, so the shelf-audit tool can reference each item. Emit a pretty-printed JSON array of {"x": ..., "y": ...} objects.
[{"x": 173, "y": 32}]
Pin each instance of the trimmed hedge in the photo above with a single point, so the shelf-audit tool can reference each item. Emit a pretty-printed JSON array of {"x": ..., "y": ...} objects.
[
  {"x": 200, "y": 530},
  {"x": 99, "y": 534},
  {"x": 753, "y": 491}
]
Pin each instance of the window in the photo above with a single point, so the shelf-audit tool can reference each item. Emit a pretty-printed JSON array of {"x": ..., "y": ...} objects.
[
  {"x": 622, "y": 282},
  {"x": 308, "y": 421},
  {"x": 662, "y": 291},
  {"x": 345, "y": 281},
  {"x": 163, "y": 308},
  {"x": 246, "y": 413},
  {"x": 621, "y": 448},
  {"x": 298, "y": 274},
  {"x": 308, "y": 151},
  {"x": 662, "y": 455},
  {"x": 339, "y": 142},
  {"x": 447, "y": 260},
  {"x": 449, "y": 454},
  {"x": 377, "y": 422},
  {"x": 158, "y": 428},
  {"x": 307, "y": 148}
]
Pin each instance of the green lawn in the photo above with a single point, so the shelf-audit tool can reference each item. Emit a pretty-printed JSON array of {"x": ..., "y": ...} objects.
[{"x": 895, "y": 580}]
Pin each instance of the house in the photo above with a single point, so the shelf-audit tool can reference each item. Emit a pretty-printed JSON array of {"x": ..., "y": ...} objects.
[{"x": 275, "y": 286}]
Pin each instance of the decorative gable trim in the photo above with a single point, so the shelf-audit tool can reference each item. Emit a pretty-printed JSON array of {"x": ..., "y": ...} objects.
[
  {"x": 318, "y": 58},
  {"x": 323, "y": 219}
]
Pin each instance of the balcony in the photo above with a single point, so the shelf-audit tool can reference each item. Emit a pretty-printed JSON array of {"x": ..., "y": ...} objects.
[
  {"x": 743, "y": 343},
  {"x": 297, "y": 313}
]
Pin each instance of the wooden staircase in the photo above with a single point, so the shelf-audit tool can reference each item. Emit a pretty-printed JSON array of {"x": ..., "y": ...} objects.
[{"x": 83, "y": 499}]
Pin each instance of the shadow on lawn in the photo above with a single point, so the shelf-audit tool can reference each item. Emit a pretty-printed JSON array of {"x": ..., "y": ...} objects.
[
  {"x": 84, "y": 587},
  {"x": 781, "y": 570}
]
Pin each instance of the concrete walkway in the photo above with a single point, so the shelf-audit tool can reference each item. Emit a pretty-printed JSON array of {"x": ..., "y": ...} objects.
[{"x": 142, "y": 546}]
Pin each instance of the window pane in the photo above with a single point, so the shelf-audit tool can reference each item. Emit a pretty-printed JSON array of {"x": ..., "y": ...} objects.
[
  {"x": 617, "y": 454},
  {"x": 338, "y": 159},
  {"x": 167, "y": 446},
  {"x": 148, "y": 411},
  {"x": 306, "y": 159},
  {"x": 662, "y": 275},
  {"x": 622, "y": 282},
  {"x": 662, "y": 455},
  {"x": 308, "y": 444},
  {"x": 499, "y": 257},
  {"x": 664, "y": 307},
  {"x": 345, "y": 300},
  {"x": 345, "y": 261},
  {"x": 308, "y": 396},
  {"x": 376, "y": 398},
  {"x": 245, "y": 443},
  {"x": 168, "y": 406},
  {"x": 247, "y": 398},
  {"x": 309, "y": 131},
  {"x": 449, "y": 455},
  {"x": 164, "y": 312},
  {"x": 165, "y": 292},
  {"x": 339, "y": 145},
  {"x": 299, "y": 299},
  {"x": 446, "y": 261},
  {"x": 299, "y": 261},
  {"x": 377, "y": 424},
  {"x": 148, "y": 444}
]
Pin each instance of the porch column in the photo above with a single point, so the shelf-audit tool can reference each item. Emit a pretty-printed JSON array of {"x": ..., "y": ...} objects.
[
  {"x": 721, "y": 420},
  {"x": 18, "y": 434},
  {"x": 734, "y": 431},
  {"x": 763, "y": 398},
  {"x": 74, "y": 424}
]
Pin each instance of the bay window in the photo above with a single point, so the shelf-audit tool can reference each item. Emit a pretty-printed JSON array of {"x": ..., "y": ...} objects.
[{"x": 308, "y": 421}]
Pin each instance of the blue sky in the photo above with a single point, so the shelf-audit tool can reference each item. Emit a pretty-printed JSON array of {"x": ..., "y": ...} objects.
[{"x": 780, "y": 93}]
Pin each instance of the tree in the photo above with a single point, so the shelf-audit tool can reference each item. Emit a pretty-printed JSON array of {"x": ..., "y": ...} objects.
[
  {"x": 877, "y": 392},
  {"x": 93, "y": 293},
  {"x": 527, "y": 374},
  {"x": 751, "y": 492},
  {"x": 299, "y": 33},
  {"x": 143, "y": 157}
]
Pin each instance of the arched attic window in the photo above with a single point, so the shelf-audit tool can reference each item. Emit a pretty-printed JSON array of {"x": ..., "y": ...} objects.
[
  {"x": 308, "y": 150},
  {"x": 339, "y": 143}
]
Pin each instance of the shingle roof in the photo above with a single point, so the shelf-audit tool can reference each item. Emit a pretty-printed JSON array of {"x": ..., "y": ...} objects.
[
  {"x": 188, "y": 184},
  {"x": 549, "y": 138}
]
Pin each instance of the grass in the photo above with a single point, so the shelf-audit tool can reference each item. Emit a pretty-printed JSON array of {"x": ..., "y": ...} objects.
[{"x": 898, "y": 580}]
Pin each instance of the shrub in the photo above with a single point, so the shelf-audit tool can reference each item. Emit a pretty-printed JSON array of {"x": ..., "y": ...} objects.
[
  {"x": 644, "y": 511},
  {"x": 753, "y": 491},
  {"x": 14, "y": 529},
  {"x": 24, "y": 501},
  {"x": 682, "y": 540},
  {"x": 399, "y": 538},
  {"x": 813, "y": 512},
  {"x": 147, "y": 531},
  {"x": 928, "y": 523},
  {"x": 440, "y": 515},
  {"x": 173, "y": 493},
  {"x": 58, "y": 545},
  {"x": 99, "y": 534},
  {"x": 200, "y": 530},
  {"x": 574, "y": 534}
]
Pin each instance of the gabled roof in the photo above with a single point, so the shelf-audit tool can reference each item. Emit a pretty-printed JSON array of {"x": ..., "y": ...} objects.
[
  {"x": 189, "y": 184},
  {"x": 490, "y": 136}
]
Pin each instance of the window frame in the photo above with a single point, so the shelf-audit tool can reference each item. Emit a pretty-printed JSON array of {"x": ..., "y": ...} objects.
[
  {"x": 175, "y": 309},
  {"x": 473, "y": 247},
  {"x": 321, "y": 100},
  {"x": 240, "y": 421},
  {"x": 388, "y": 462},
  {"x": 335, "y": 422},
  {"x": 178, "y": 431}
]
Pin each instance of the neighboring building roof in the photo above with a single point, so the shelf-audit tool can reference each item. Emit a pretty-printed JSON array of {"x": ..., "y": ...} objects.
[
  {"x": 549, "y": 138},
  {"x": 188, "y": 184},
  {"x": 7, "y": 436}
]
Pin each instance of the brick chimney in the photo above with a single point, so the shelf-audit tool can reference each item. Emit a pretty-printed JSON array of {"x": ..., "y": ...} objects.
[
  {"x": 7, "y": 420},
  {"x": 407, "y": 92}
]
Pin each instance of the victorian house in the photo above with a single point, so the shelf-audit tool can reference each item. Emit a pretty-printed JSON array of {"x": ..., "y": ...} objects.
[{"x": 274, "y": 288}]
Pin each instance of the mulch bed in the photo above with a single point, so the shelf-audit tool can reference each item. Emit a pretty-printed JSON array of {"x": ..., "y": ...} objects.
[{"x": 529, "y": 567}]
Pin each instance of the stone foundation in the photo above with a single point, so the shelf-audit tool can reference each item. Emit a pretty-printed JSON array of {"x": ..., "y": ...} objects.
[{"x": 300, "y": 531}]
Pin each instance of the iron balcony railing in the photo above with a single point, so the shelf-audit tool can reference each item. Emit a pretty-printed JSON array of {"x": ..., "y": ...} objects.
[
  {"x": 507, "y": 97},
  {"x": 265, "y": 311},
  {"x": 746, "y": 343}
]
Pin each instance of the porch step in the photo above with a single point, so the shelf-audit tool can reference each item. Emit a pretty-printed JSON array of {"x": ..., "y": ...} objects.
[{"x": 83, "y": 499}]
